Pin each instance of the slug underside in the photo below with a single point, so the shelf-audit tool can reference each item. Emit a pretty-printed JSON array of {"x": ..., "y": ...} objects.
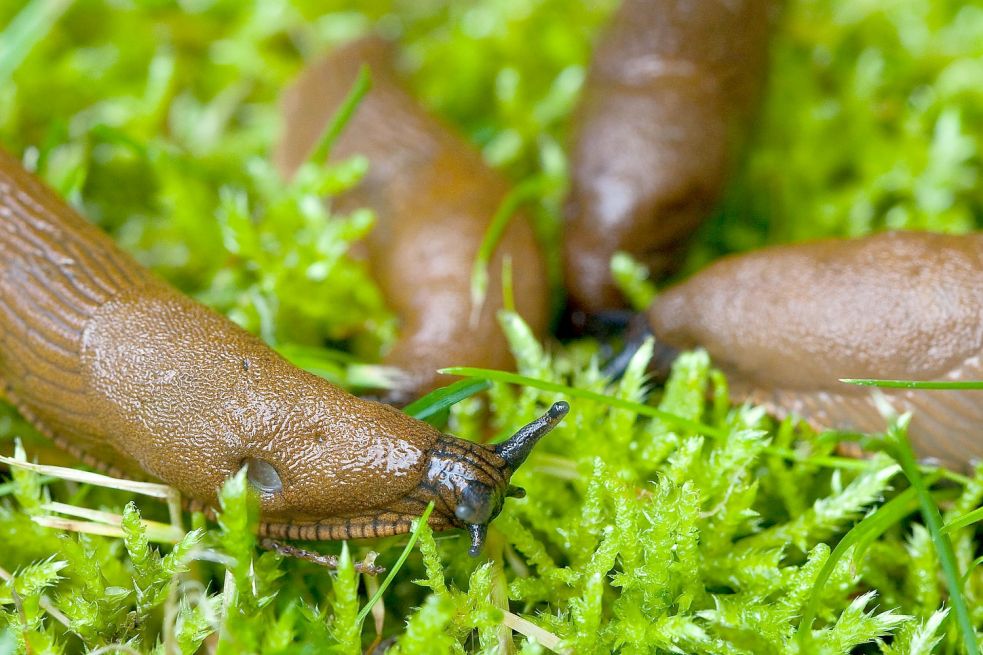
[{"x": 787, "y": 323}]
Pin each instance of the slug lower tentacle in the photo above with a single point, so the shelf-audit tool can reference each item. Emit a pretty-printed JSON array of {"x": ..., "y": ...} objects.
[
  {"x": 787, "y": 323},
  {"x": 671, "y": 87},
  {"x": 434, "y": 199},
  {"x": 137, "y": 379}
]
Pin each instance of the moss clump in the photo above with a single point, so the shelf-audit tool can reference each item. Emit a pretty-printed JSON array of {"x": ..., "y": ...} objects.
[{"x": 703, "y": 529}]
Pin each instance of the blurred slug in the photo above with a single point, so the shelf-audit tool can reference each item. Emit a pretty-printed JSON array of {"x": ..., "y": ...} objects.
[
  {"x": 671, "y": 87},
  {"x": 786, "y": 323},
  {"x": 136, "y": 379},
  {"x": 434, "y": 199}
]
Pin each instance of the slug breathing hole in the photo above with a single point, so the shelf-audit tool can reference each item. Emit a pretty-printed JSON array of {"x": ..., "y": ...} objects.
[{"x": 262, "y": 475}]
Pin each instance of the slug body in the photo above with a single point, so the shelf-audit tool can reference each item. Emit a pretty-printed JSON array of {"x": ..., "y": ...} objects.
[
  {"x": 137, "y": 379},
  {"x": 786, "y": 323},
  {"x": 434, "y": 199},
  {"x": 671, "y": 85}
]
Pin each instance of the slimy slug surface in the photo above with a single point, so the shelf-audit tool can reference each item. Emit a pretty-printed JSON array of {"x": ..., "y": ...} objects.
[{"x": 137, "y": 379}]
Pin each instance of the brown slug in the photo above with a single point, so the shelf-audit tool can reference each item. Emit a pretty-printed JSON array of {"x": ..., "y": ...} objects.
[
  {"x": 434, "y": 198},
  {"x": 671, "y": 85},
  {"x": 786, "y": 323},
  {"x": 136, "y": 379}
]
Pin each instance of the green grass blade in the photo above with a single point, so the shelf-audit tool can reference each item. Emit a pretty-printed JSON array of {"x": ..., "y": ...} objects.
[
  {"x": 962, "y": 521},
  {"x": 866, "y": 530},
  {"x": 525, "y": 192},
  {"x": 645, "y": 410},
  {"x": 397, "y": 566},
  {"x": 933, "y": 521},
  {"x": 620, "y": 403},
  {"x": 341, "y": 117},
  {"x": 915, "y": 384},
  {"x": 440, "y": 399},
  {"x": 31, "y": 25}
]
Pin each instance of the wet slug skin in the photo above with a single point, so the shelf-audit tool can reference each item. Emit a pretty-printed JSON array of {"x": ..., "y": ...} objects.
[
  {"x": 434, "y": 199},
  {"x": 670, "y": 92},
  {"x": 136, "y": 379},
  {"x": 787, "y": 323}
]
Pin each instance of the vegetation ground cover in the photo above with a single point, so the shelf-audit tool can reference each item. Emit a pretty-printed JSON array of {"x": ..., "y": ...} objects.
[{"x": 658, "y": 518}]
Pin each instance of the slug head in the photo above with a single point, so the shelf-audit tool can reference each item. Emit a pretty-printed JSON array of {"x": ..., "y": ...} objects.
[{"x": 472, "y": 480}]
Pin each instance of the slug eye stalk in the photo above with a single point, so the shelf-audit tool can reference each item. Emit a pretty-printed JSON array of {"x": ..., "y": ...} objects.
[
  {"x": 479, "y": 498},
  {"x": 517, "y": 448}
]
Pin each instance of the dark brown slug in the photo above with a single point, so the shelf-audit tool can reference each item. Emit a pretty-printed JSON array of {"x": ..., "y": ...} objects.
[
  {"x": 786, "y": 323},
  {"x": 671, "y": 86},
  {"x": 136, "y": 379},
  {"x": 434, "y": 198}
]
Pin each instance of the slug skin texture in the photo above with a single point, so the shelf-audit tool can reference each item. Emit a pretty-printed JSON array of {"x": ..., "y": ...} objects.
[
  {"x": 671, "y": 89},
  {"x": 786, "y": 323},
  {"x": 138, "y": 380},
  {"x": 434, "y": 199}
]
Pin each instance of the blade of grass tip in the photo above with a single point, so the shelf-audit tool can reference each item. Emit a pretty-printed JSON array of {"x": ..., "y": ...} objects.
[
  {"x": 440, "y": 399},
  {"x": 520, "y": 194},
  {"x": 916, "y": 384},
  {"x": 420, "y": 522},
  {"x": 968, "y": 518},
  {"x": 897, "y": 434},
  {"x": 868, "y": 529},
  {"x": 27, "y": 28},
  {"x": 362, "y": 85}
]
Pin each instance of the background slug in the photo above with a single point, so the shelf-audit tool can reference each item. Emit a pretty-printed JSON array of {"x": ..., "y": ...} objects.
[
  {"x": 785, "y": 323},
  {"x": 671, "y": 83},
  {"x": 135, "y": 378},
  {"x": 434, "y": 198}
]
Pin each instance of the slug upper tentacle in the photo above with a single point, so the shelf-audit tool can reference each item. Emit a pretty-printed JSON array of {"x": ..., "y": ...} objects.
[
  {"x": 787, "y": 323},
  {"x": 135, "y": 378},
  {"x": 517, "y": 449}
]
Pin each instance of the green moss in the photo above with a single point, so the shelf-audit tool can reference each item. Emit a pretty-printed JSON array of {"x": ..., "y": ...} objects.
[
  {"x": 868, "y": 125},
  {"x": 688, "y": 526}
]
